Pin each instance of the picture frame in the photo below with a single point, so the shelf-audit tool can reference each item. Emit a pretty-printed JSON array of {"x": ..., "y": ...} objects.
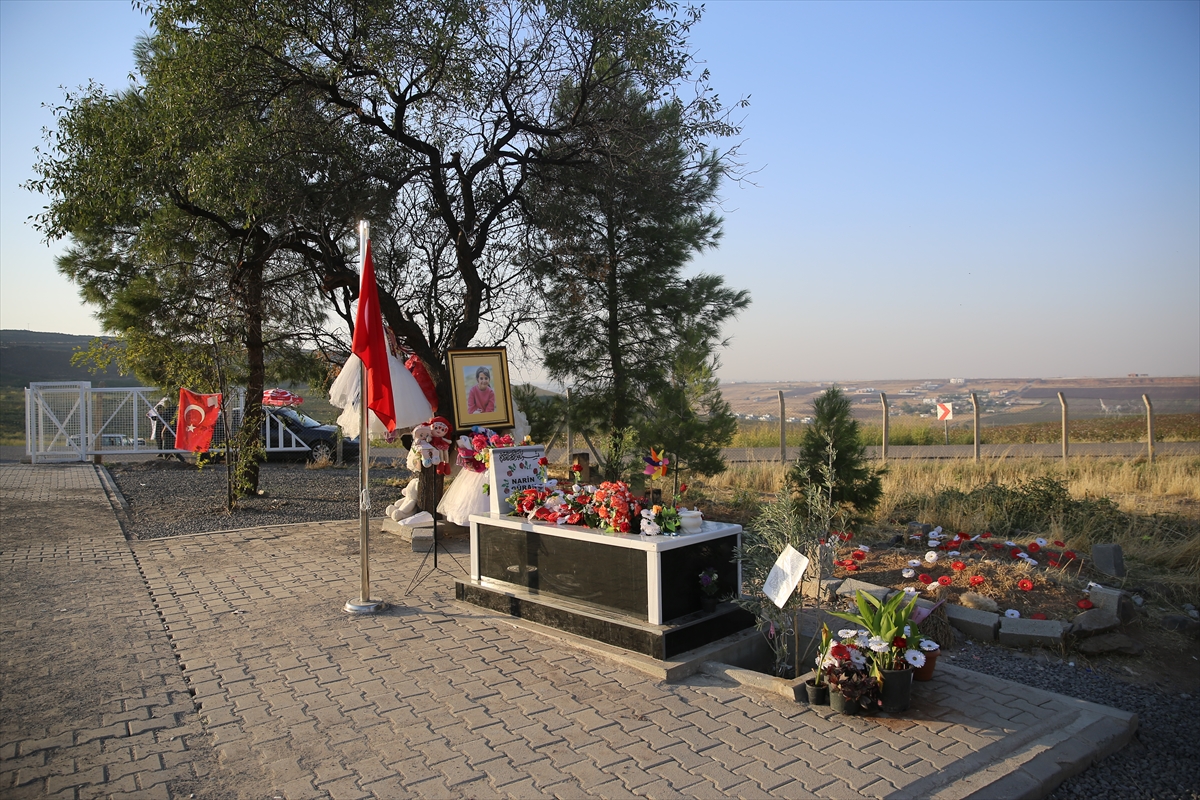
[{"x": 480, "y": 386}]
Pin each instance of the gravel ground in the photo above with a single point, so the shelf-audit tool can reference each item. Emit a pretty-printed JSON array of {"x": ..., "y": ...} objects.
[{"x": 167, "y": 498}]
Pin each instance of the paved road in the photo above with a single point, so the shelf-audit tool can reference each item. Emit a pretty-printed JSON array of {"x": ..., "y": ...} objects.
[
  {"x": 221, "y": 665},
  {"x": 989, "y": 452}
]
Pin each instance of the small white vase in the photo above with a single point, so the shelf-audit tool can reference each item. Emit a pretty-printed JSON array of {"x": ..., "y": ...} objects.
[{"x": 690, "y": 521}]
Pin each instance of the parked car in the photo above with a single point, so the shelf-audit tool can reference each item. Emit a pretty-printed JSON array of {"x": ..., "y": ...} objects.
[{"x": 321, "y": 439}]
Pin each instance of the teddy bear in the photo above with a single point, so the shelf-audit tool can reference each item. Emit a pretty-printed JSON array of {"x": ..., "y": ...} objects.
[{"x": 423, "y": 451}]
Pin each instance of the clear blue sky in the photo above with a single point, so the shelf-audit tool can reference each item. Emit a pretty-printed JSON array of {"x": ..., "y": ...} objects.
[{"x": 940, "y": 189}]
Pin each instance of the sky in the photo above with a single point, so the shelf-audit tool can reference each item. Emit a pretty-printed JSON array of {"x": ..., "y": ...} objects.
[{"x": 930, "y": 189}]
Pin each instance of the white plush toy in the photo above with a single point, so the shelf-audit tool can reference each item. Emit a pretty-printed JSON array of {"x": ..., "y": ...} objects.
[
  {"x": 406, "y": 506},
  {"x": 423, "y": 443}
]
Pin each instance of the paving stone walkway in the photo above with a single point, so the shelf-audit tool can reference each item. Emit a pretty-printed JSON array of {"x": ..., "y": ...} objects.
[{"x": 222, "y": 665}]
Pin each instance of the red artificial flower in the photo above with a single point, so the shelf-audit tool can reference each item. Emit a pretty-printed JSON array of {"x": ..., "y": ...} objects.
[
  {"x": 977, "y": 546},
  {"x": 683, "y": 488},
  {"x": 1059, "y": 544},
  {"x": 1054, "y": 562},
  {"x": 1038, "y": 615},
  {"x": 1015, "y": 552},
  {"x": 858, "y": 555},
  {"x": 977, "y": 579},
  {"x": 576, "y": 468},
  {"x": 958, "y": 565},
  {"x": 985, "y": 535},
  {"x": 945, "y": 580},
  {"x": 1085, "y": 604},
  {"x": 840, "y": 652},
  {"x": 852, "y": 567},
  {"x": 1069, "y": 554},
  {"x": 899, "y": 643},
  {"x": 925, "y": 579},
  {"x": 1034, "y": 547},
  {"x": 1025, "y": 584},
  {"x": 574, "y": 518}
]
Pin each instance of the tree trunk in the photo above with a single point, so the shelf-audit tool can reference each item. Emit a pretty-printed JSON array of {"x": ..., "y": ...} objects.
[{"x": 247, "y": 467}]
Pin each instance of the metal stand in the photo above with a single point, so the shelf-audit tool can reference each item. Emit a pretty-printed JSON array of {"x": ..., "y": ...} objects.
[{"x": 419, "y": 578}]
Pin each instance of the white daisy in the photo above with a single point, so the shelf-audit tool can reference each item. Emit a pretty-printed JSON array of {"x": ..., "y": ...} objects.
[
  {"x": 864, "y": 548},
  {"x": 931, "y": 557},
  {"x": 915, "y": 657},
  {"x": 1012, "y": 613},
  {"x": 1031, "y": 562},
  {"x": 954, "y": 553},
  {"x": 916, "y": 562},
  {"x": 938, "y": 529},
  {"x": 911, "y": 590},
  {"x": 858, "y": 659},
  {"x": 930, "y": 645},
  {"x": 1041, "y": 542},
  {"x": 847, "y": 633},
  {"x": 908, "y": 572},
  {"x": 1010, "y": 544}
]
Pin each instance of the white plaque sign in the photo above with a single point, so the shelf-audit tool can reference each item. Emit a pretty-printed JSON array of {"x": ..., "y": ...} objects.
[
  {"x": 784, "y": 576},
  {"x": 513, "y": 469}
]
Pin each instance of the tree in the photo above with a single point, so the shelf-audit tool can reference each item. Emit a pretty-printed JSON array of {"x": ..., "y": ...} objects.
[
  {"x": 831, "y": 445},
  {"x": 632, "y": 337},
  {"x": 459, "y": 98}
]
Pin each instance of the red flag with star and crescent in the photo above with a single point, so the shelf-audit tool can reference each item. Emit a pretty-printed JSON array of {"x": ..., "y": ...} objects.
[
  {"x": 197, "y": 418},
  {"x": 370, "y": 345}
]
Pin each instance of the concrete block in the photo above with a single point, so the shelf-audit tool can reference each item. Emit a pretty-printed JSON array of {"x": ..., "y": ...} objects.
[
  {"x": 1093, "y": 621},
  {"x": 1109, "y": 559},
  {"x": 1114, "y": 601},
  {"x": 1031, "y": 632},
  {"x": 981, "y": 625},
  {"x": 828, "y": 589},
  {"x": 852, "y": 585}
]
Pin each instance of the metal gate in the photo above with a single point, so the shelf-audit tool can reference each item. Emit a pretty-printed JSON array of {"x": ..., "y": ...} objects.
[{"x": 66, "y": 421}]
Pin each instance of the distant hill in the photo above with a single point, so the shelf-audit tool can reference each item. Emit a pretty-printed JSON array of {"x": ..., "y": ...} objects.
[{"x": 35, "y": 356}]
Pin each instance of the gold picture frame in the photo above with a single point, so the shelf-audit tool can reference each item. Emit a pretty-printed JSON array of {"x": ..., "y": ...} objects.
[{"x": 474, "y": 372}]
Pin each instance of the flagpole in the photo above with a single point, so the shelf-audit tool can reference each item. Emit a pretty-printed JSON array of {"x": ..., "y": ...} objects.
[{"x": 364, "y": 605}]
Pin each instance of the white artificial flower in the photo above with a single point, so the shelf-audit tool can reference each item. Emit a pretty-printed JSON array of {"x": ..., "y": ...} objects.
[
  {"x": 847, "y": 633},
  {"x": 930, "y": 645},
  {"x": 976, "y": 536},
  {"x": 916, "y": 562},
  {"x": 938, "y": 529},
  {"x": 861, "y": 641},
  {"x": 879, "y": 645},
  {"x": 933, "y": 588},
  {"x": 858, "y": 659},
  {"x": 911, "y": 590},
  {"x": 908, "y": 572},
  {"x": 864, "y": 548},
  {"x": 933, "y": 543},
  {"x": 915, "y": 657},
  {"x": 1031, "y": 562},
  {"x": 1010, "y": 544},
  {"x": 931, "y": 557},
  {"x": 1023, "y": 554},
  {"x": 1012, "y": 613},
  {"x": 1041, "y": 542},
  {"x": 935, "y": 535},
  {"x": 954, "y": 553},
  {"x": 907, "y": 631}
]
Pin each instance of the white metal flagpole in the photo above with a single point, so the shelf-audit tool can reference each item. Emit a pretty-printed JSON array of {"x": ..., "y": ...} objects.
[{"x": 364, "y": 605}]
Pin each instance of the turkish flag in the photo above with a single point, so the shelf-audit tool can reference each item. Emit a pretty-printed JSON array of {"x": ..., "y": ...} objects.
[
  {"x": 197, "y": 417},
  {"x": 370, "y": 345}
]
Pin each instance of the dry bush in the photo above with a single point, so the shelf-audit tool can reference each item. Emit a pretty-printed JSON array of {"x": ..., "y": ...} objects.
[{"x": 320, "y": 462}]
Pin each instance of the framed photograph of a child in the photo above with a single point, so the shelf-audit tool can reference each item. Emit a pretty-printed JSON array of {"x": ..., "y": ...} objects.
[{"x": 479, "y": 383}]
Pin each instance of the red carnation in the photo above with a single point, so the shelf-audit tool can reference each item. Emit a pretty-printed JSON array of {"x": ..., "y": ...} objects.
[
  {"x": 858, "y": 555},
  {"x": 1034, "y": 547},
  {"x": 1025, "y": 584},
  {"x": 958, "y": 565},
  {"x": 1084, "y": 604},
  {"x": 945, "y": 580},
  {"x": 925, "y": 579},
  {"x": 977, "y": 579}
]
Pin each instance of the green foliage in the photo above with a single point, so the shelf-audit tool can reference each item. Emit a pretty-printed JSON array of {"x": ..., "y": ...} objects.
[{"x": 832, "y": 442}]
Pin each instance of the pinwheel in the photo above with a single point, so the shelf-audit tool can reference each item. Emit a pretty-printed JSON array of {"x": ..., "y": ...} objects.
[{"x": 656, "y": 464}]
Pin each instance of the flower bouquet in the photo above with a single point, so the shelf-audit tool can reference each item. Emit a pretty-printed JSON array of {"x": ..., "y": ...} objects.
[
  {"x": 474, "y": 451},
  {"x": 886, "y": 626},
  {"x": 610, "y": 507}
]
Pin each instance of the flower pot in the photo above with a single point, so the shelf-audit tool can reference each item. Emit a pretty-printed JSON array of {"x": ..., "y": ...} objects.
[
  {"x": 817, "y": 695},
  {"x": 896, "y": 691},
  {"x": 841, "y": 705},
  {"x": 925, "y": 673}
]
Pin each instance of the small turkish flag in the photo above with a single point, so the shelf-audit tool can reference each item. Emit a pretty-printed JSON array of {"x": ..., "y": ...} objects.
[{"x": 197, "y": 418}]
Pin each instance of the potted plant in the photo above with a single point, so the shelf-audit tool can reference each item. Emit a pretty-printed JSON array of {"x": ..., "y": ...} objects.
[
  {"x": 710, "y": 585},
  {"x": 931, "y": 650},
  {"x": 851, "y": 690},
  {"x": 888, "y": 626},
  {"x": 816, "y": 687}
]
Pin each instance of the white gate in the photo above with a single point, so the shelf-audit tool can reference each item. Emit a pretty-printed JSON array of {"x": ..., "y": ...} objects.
[{"x": 55, "y": 420}]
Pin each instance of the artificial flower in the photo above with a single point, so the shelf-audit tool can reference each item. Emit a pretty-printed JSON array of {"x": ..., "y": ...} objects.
[
  {"x": 847, "y": 633},
  {"x": 925, "y": 579},
  {"x": 858, "y": 555},
  {"x": 1085, "y": 604},
  {"x": 1069, "y": 554},
  {"x": 931, "y": 557},
  {"x": 911, "y": 590},
  {"x": 899, "y": 643},
  {"x": 878, "y": 645},
  {"x": 916, "y": 562},
  {"x": 864, "y": 548},
  {"x": 852, "y": 567},
  {"x": 977, "y": 546},
  {"x": 1015, "y": 553},
  {"x": 858, "y": 659},
  {"x": 1040, "y": 542},
  {"x": 945, "y": 580},
  {"x": 958, "y": 565},
  {"x": 1012, "y": 613},
  {"x": 977, "y": 579},
  {"x": 1033, "y": 547},
  {"x": 985, "y": 535},
  {"x": 953, "y": 553},
  {"x": 1059, "y": 544},
  {"x": 1025, "y": 584},
  {"x": 930, "y": 645},
  {"x": 908, "y": 572},
  {"x": 840, "y": 652},
  {"x": 1010, "y": 544},
  {"x": 1038, "y": 615},
  {"x": 1031, "y": 562},
  {"x": 915, "y": 657},
  {"x": 1054, "y": 562}
]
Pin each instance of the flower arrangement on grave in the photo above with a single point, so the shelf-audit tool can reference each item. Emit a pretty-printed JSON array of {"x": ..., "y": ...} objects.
[
  {"x": 709, "y": 583},
  {"x": 888, "y": 627},
  {"x": 845, "y": 665},
  {"x": 610, "y": 506}
]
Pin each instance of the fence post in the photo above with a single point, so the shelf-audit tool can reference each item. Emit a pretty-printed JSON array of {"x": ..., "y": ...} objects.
[
  {"x": 782, "y": 430},
  {"x": 1149, "y": 427},
  {"x": 975, "y": 406},
  {"x": 1063, "y": 400},
  {"x": 883, "y": 399}
]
